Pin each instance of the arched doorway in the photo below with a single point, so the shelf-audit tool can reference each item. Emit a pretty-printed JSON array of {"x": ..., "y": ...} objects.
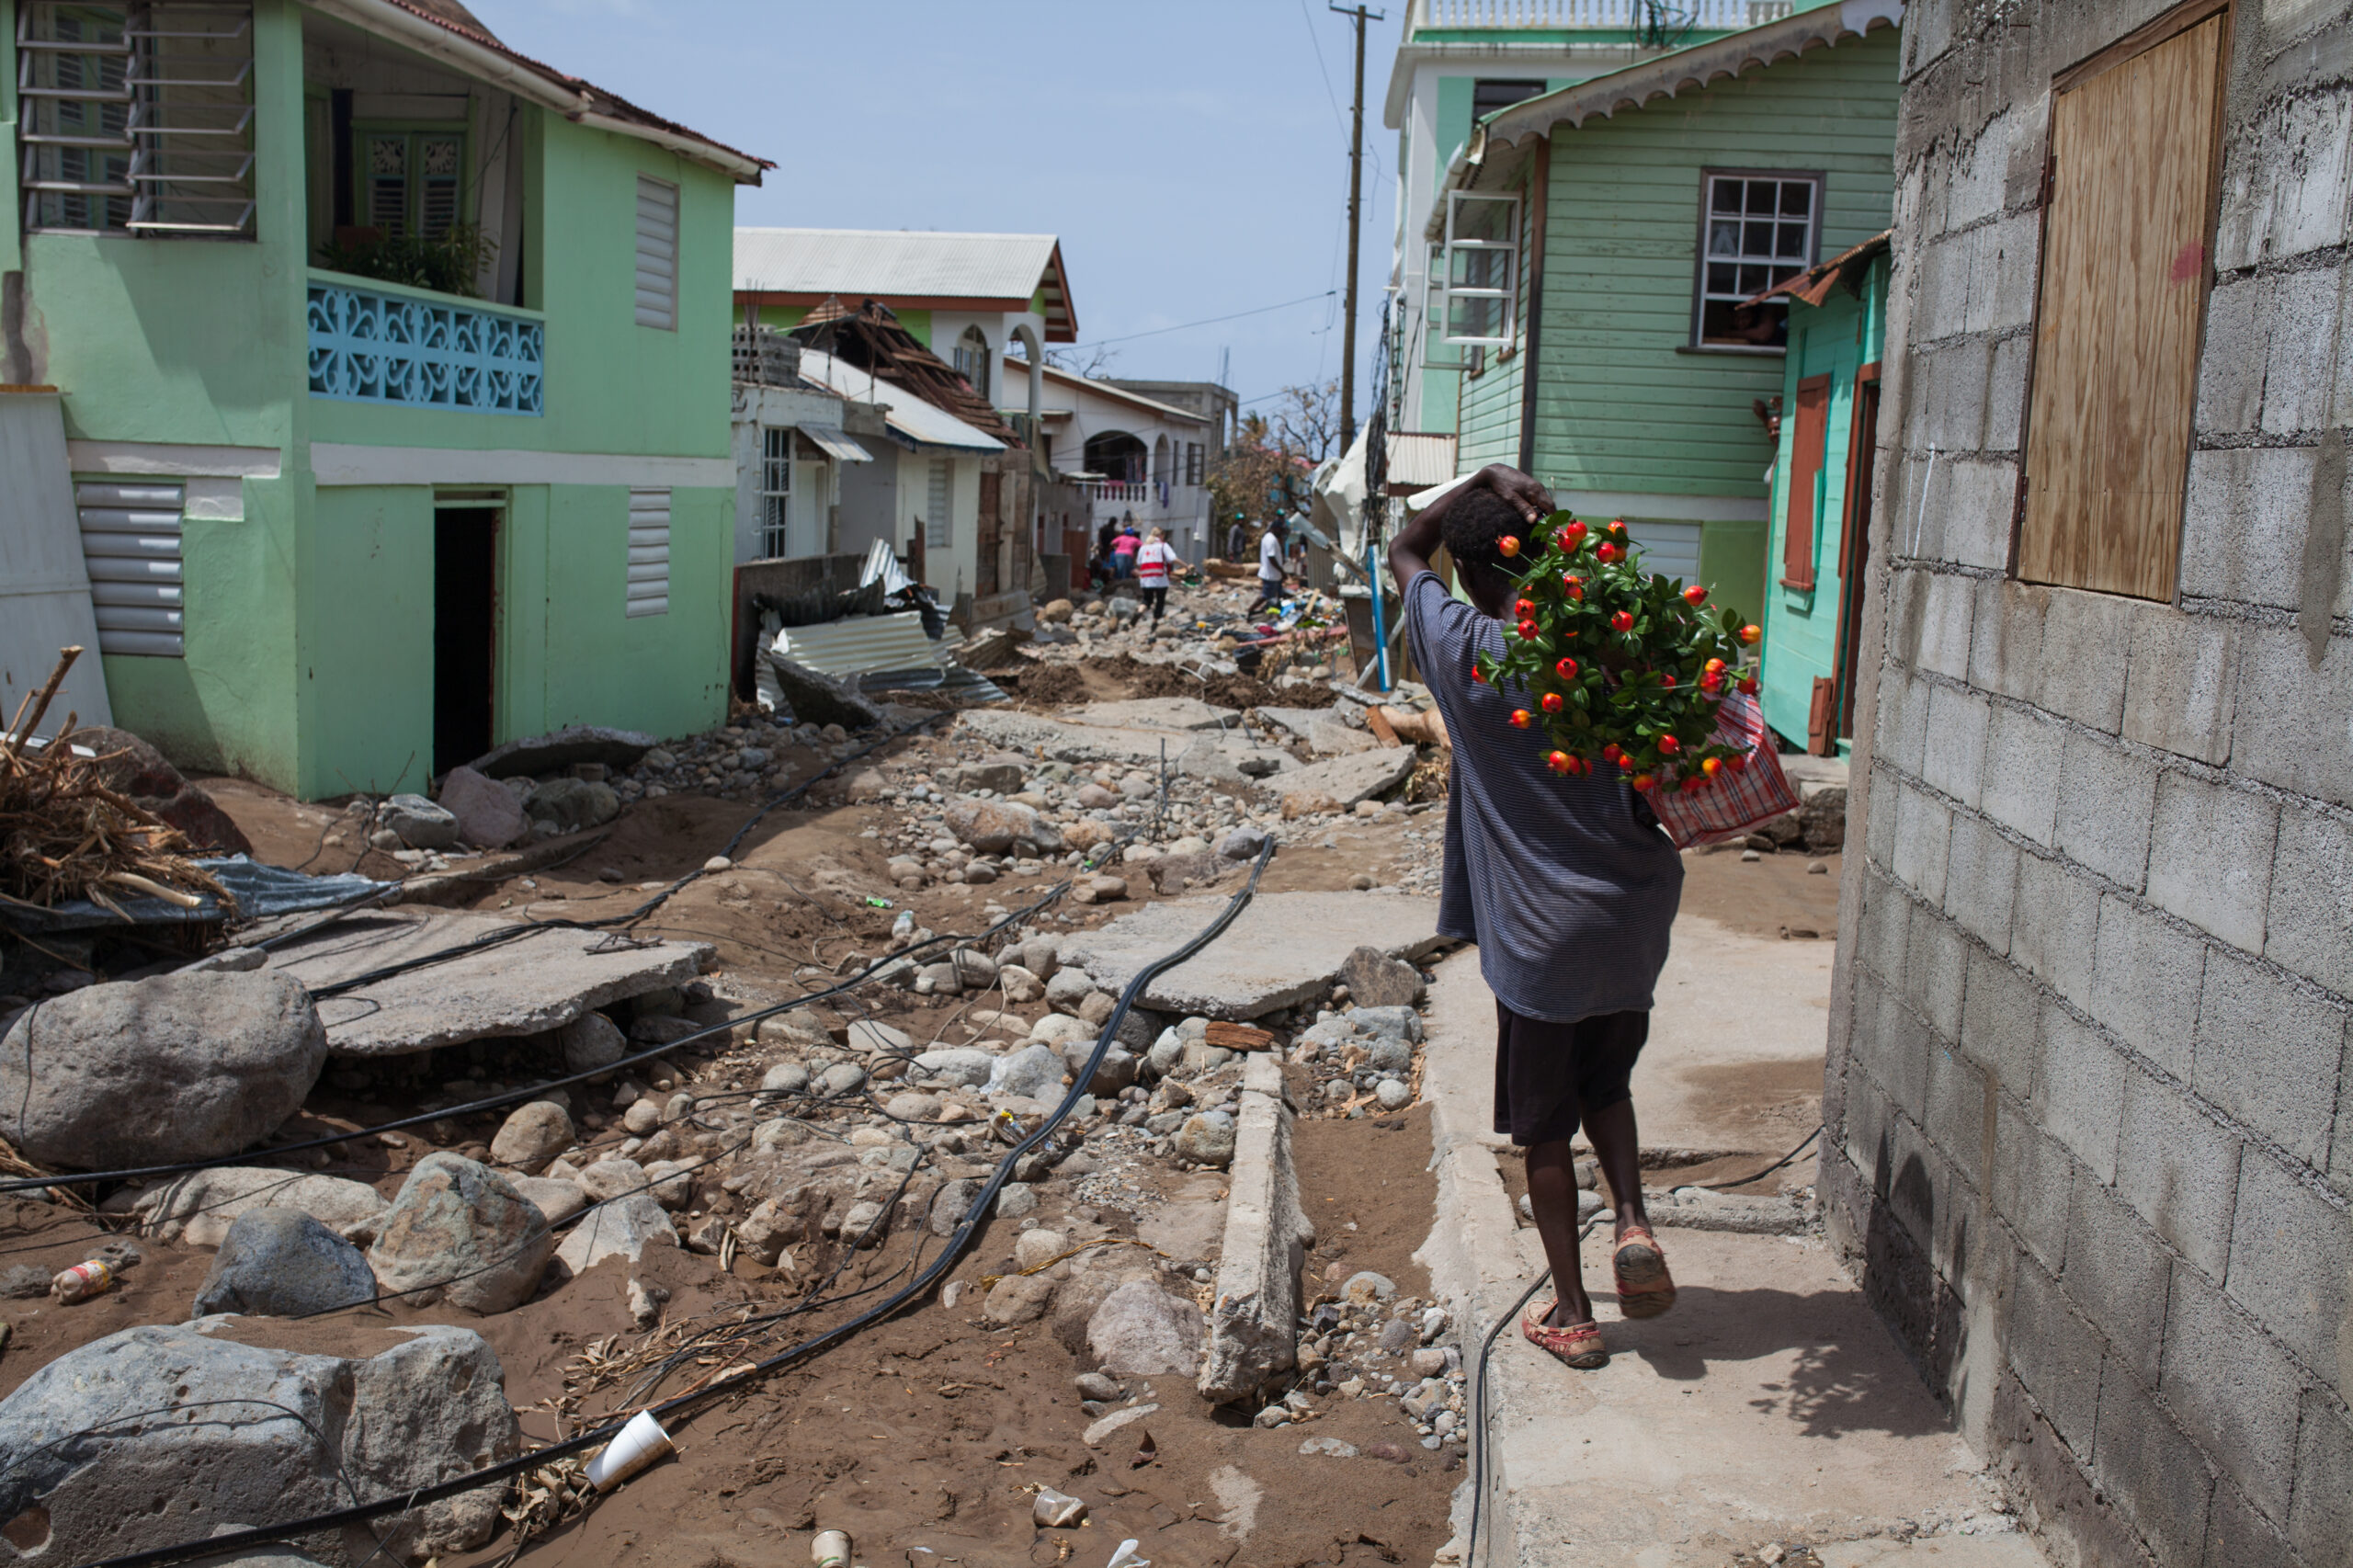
[{"x": 1119, "y": 457}]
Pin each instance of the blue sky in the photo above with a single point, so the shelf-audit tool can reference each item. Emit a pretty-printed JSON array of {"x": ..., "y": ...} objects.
[{"x": 1192, "y": 157}]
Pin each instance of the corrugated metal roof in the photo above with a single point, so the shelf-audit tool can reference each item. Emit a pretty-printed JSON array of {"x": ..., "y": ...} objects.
[
  {"x": 1814, "y": 285},
  {"x": 913, "y": 420},
  {"x": 1418, "y": 458},
  {"x": 831, "y": 439},
  {"x": 859, "y": 643},
  {"x": 852, "y": 262}
]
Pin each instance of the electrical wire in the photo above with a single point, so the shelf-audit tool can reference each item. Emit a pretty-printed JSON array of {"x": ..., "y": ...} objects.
[{"x": 967, "y": 1228}]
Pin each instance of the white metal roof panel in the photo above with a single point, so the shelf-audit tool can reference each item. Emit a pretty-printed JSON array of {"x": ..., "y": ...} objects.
[
  {"x": 859, "y": 643},
  {"x": 909, "y": 416},
  {"x": 861, "y": 262}
]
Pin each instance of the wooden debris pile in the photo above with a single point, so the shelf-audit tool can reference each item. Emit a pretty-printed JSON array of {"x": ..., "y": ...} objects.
[{"x": 65, "y": 836}]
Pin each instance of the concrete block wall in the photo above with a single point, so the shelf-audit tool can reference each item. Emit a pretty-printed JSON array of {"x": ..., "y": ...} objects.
[{"x": 2089, "y": 1113}]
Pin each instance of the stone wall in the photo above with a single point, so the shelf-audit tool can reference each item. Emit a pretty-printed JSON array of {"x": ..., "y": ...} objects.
[{"x": 2089, "y": 1134}]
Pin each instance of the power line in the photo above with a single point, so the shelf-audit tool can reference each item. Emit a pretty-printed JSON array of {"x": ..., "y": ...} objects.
[{"x": 1212, "y": 320}]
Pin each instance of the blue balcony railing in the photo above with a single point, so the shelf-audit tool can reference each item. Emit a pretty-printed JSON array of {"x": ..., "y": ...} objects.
[{"x": 373, "y": 343}]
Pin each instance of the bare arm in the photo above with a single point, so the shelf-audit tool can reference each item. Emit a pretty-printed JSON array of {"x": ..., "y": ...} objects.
[{"x": 1410, "y": 552}]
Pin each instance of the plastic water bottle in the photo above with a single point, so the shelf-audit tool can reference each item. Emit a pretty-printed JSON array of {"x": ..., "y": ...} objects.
[{"x": 903, "y": 929}]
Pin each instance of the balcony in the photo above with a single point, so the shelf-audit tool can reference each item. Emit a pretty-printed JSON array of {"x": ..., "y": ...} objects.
[
  {"x": 373, "y": 342},
  {"x": 1704, "y": 15}
]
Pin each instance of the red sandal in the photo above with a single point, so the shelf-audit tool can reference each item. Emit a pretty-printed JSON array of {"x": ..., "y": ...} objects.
[
  {"x": 1579, "y": 1344},
  {"x": 1645, "y": 1289}
]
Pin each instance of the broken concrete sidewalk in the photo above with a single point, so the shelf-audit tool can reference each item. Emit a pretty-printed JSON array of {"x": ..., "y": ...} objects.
[
  {"x": 1283, "y": 949},
  {"x": 529, "y": 985},
  {"x": 1154, "y": 713},
  {"x": 1064, "y": 739},
  {"x": 1254, "y": 1317},
  {"x": 1347, "y": 779}
]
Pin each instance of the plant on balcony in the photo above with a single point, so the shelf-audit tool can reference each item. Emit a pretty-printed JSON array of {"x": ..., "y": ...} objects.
[{"x": 446, "y": 263}]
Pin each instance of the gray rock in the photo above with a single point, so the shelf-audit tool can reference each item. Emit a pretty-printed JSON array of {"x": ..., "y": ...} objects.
[
  {"x": 612, "y": 1177},
  {"x": 1018, "y": 1299},
  {"x": 25, "y": 1282},
  {"x": 420, "y": 823},
  {"x": 673, "y": 1182},
  {"x": 1002, "y": 774},
  {"x": 624, "y": 1228},
  {"x": 816, "y": 699},
  {"x": 1202, "y": 1057},
  {"x": 1141, "y": 1331},
  {"x": 1398, "y": 1336},
  {"x": 1033, "y": 1072},
  {"x": 1285, "y": 948},
  {"x": 870, "y": 1036},
  {"x": 1041, "y": 955},
  {"x": 281, "y": 1263},
  {"x": 1348, "y": 779},
  {"x": 1207, "y": 1139},
  {"x": 572, "y": 804},
  {"x": 198, "y": 1208},
  {"x": 458, "y": 1232},
  {"x": 154, "y": 1072},
  {"x": 1364, "y": 1288},
  {"x": 1015, "y": 1199},
  {"x": 1393, "y": 1094},
  {"x": 559, "y": 1201},
  {"x": 912, "y": 1106},
  {"x": 488, "y": 815},
  {"x": 1068, "y": 988},
  {"x": 1376, "y": 980},
  {"x": 1096, "y": 1386},
  {"x": 1390, "y": 1054},
  {"x": 533, "y": 1134},
  {"x": 974, "y": 970},
  {"x": 1399, "y": 1023},
  {"x": 1254, "y": 1312},
  {"x": 591, "y": 1042},
  {"x": 78, "y": 1438},
  {"x": 1822, "y": 817},
  {"x": 960, "y": 1068},
  {"x": 952, "y": 1202},
  {"x": 1167, "y": 1052},
  {"x": 1328, "y": 1448},
  {"x": 1177, "y": 713},
  {"x": 1115, "y": 1073},
  {"x": 784, "y": 1078},
  {"x": 841, "y": 1078},
  {"x": 1241, "y": 844},
  {"x": 557, "y": 751}
]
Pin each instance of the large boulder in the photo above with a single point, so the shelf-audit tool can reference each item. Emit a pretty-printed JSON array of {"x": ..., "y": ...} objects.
[
  {"x": 620, "y": 1227},
  {"x": 533, "y": 1134},
  {"x": 130, "y": 767},
  {"x": 561, "y": 750},
  {"x": 199, "y": 1208},
  {"x": 571, "y": 804},
  {"x": 281, "y": 1263},
  {"x": 1141, "y": 1331},
  {"x": 992, "y": 828},
  {"x": 420, "y": 823},
  {"x": 459, "y": 1232},
  {"x": 90, "y": 1468},
  {"x": 817, "y": 698},
  {"x": 1376, "y": 980},
  {"x": 1033, "y": 1072},
  {"x": 591, "y": 1041},
  {"x": 156, "y": 1071},
  {"x": 489, "y": 816}
]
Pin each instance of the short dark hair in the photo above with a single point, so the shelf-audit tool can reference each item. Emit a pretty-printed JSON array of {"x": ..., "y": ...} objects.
[{"x": 1472, "y": 526}]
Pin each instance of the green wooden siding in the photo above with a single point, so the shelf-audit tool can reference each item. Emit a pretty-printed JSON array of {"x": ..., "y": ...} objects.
[{"x": 1801, "y": 625}]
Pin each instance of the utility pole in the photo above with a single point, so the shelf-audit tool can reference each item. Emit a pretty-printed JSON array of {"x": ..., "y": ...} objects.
[{"x": 1356, "y": 206}]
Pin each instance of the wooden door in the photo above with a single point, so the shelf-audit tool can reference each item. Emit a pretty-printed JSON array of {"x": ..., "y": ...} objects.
[{"x": 2128, "y": 210}]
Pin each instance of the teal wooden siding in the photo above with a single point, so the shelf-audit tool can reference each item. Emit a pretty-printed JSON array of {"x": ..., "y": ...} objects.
[
  {"x": 1621, "y": 405},
  {"x": 1802, "y": 625}
]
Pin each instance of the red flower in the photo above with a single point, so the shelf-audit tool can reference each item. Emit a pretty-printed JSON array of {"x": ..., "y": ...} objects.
[
  {"x": 1552, "y": 700},
  {"x": 1611, "y": 751},
  {"x": 1692, "y": 784},
  {"x": 1524, "y": 609},
  {"x": 1748, "y": 685},
  {"x": 1750, "y": 633},
  {"x": 1625, "y": 762},
  {"x": 1669, "y": 744},
  {"x": 1508, "y": 544},
  {"x": 1521, "y": 718},
  {"x": 1566, "y": 669},
  {"x": 1478, "y": 674},
  {"x": 1572, "y": 535},
  {"x": 1666, "y": 677},
  {"x": 1530, "y": 631},
  {"x": 1575, "y": 585},
  {"x": 1712, "y": 765},
  {"x": 1623, "y": 620},
  {"x": 1645, "y": 783},
  {"x": 1560, "y": 762},
  {"x": 1713, "y": 666},
  {"x": 1694, "y": 594},
  {"x": 1608, "y": 551}
]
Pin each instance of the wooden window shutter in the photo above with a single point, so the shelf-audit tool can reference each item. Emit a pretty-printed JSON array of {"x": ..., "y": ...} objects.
[
  {"x": 1806, "y": 449},
  {"x": 2134, "y": 144}
]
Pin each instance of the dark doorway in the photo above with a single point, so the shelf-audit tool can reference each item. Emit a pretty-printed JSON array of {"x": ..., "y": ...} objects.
[
  {"x": 465, "y": 632},
  {"x": 1855, "y": 546}
]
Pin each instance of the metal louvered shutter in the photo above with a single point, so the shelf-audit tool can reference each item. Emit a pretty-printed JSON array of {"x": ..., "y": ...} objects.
[
  {"x": 657, "y": 254},
  {"x": 130, "y": 543},
  {"x": 649, "y": 553}
]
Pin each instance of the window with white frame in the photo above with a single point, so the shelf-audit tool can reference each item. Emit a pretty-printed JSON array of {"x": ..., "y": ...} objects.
[
  {"x": 776, "y": 489},
  {"x": 137, "y": 118},
  {"x": 1481, "y": 267},
  {"x": 657, "y": 254},
  {"x": 649, "y": 553},
  {"x": 936, "y": 532},
  {"x": 972, "y": 360},
  {"x": 1755, "y": 229}
]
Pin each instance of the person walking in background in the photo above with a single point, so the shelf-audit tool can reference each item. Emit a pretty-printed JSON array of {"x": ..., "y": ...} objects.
[
  {"x": 1123, "y": 551},
  {"x": 1568, "y": 887},
  {"x": 1237, "y": 538},
  {"x": 1270, "y": 568},
  {"x": 1155, "y": 559}
]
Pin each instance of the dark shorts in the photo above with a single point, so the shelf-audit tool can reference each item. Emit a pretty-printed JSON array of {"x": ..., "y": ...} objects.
[{"x": 1547, "y": 1075}]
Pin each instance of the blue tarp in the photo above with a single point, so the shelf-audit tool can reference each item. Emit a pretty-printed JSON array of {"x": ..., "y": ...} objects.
[{"x": 259, "y": 890}]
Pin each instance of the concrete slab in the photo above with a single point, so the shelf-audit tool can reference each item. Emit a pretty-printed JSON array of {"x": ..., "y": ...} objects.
[
  {"x": 1739, "y": 1020},
  {"x": 529, "y": 985},
  {"x": 1154, "y": 713},
  {"x": 558, "y": 749},
  {"x": 1253, "y": 1316},
  {"x": 1352, "y": 778},
  {"x": 1770, "y": 1405},
  {"x": 1061, "y": 741},
  {"x": 1283, "y": 949}
]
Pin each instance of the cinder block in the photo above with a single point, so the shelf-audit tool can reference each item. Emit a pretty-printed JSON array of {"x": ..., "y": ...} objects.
[
  {"x": 1906, "y": 1043},
  {"x": 2289, "y": 1247},
  {"x": 2237, "y": 1534},
  {"x": 1922, "y": 843},
  {"x": 1935, "y": 966},
  {"x": 2023, "y": 753},
  {"x": 1941, "y": 307},
  {"x": 2005, "y": 395},
  {"x": 1973, "y": 524},
  {"x": 2285, "y": 178},
  {"x": 2145, "y": 977},
  {"x": 2005, "y": 655},
  {"x": 2292, "y": 725},
  {"x": 2210, "y": 858},
  {"x": 2056, "y": 1356},
  {"x": 2084, "y": 639},
  {"x": 1879, "y": 834},
  {"x": 2107, "y": 797},
  {"x": 2033, "y": 1183},
  {"x": 2001, "y": 1021},
  {"x": 1956, "y": 1115},
  {"x": 1865, "y": 1135},
  {"x": 1980, "y": 881},
  {"x": 2054, "y": 926},
  {"x": 1954, "y": 758},
  {"x": 1902, "y": 736},
  {"x": 2234, "y": 1392},
  {"x": 2244, "y": 522},
  {"x": 2004, "y": 280},
  {"x": 2179, "y": 1169},
  {"x": 2320, "y": 1513},
  {"x": 1947, "y": 607},
  {"x": 2153, "y": 1473},
  {"x": 2299, "y": 372},
  {"x": 2181, "y": 682},
  {"x": 1974, "y": 183},
  {"x": 2116, "y": 1276},
  {"x": 2269, "y": 1055},
  {"x": 2238, "y": 338},
  {"x": 2079, "y": 1091},
  {"x": 2310, "y": 926},
  {"x": 1882, "y": 927},
  {"x": 1953, "y": 383}
]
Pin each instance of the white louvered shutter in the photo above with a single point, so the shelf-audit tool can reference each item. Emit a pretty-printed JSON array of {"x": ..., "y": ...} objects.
[
  {"x": 130, "y": 543},
  {"x": 657, "y": 254},
  {"x": 936, "y": 532},
  {"x": 649, "y": 553}
]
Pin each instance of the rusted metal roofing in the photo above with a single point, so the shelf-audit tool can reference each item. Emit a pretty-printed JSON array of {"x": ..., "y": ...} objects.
[
  {"x": 869, "y": 338},
  {"x": 907, "y": 269},
  {"x": 1845, "y": 269},
  {"x": 912, "y": 420}
]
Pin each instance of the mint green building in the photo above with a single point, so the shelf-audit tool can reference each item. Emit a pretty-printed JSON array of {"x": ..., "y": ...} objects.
[
  {"x": 1821, "y": 497},
  {"x": 344, "y": 532},
  {"x": 1593, "y": 248}
]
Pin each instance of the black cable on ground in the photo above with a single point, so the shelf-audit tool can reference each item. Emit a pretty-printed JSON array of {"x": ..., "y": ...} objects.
[
  {"x": 974, "y": 1217},
  {"x": 1759, "y": 1175}
]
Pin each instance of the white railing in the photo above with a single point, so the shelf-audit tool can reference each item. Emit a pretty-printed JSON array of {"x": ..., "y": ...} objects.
[
  {"x": 1708, "y": 13},
  {"x": 1136, "y": 493}
]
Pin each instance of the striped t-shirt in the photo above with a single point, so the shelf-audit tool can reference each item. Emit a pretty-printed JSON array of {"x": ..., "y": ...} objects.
[{"x": 1567, "y": 885}]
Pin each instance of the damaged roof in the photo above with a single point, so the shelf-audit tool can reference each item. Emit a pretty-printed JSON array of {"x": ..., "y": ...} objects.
[
  {"x": 454, "y": 35},
  {"x": 870, "y": 339},
  {"x": 1845, "y": 270},
  {"x": 907, "y": 270}
]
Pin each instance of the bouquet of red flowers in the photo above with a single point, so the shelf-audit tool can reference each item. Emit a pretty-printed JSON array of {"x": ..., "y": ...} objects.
[{"x": 1626, "y": 669}]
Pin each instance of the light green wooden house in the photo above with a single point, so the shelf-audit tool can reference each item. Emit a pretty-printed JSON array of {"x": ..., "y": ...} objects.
[{"x": 1601, "y": 245}]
